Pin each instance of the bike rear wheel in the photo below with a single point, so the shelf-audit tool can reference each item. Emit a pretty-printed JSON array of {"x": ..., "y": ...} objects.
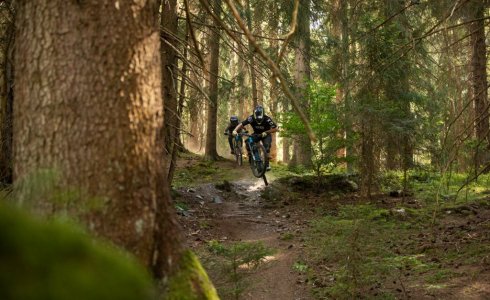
[{"x": 259, "y": 160}]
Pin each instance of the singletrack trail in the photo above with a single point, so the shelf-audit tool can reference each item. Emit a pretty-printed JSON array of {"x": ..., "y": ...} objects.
[{"x": 237, "y": 212}]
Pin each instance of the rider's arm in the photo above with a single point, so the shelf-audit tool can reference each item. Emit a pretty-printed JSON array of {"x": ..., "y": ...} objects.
[
  {"x": 241, "y": 125},
  {"x": 272, "y": 130},
  {"x": 237, "y": 129},
  {"x": 272, "y": 125}
]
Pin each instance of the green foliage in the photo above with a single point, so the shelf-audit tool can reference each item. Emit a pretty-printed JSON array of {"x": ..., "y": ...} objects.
[
  {"x": 241, "y": 253},
  {"x": 325, "y": 119},
  {"x": 300, "y": 267},
  {"x": 49, "y": 260},
  {"x": 286, "y": 236},
  {"x": 238, "y": 258}
]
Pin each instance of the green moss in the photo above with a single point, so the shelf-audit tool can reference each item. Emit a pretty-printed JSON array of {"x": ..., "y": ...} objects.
[
  {"x": 191, "y": 281},
  {"x": 56, "y": 261}
]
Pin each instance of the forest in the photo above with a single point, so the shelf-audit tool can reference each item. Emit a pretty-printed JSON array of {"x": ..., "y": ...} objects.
[{"x": 363, "y": 173}]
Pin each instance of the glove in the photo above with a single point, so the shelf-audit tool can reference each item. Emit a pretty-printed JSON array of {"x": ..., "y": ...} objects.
[
  {"x": 264, "y": 134},
  {"x": 234, "y": 132}
]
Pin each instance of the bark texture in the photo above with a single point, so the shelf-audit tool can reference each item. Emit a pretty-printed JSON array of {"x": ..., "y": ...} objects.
[
  {"x": 88, "y": 104},
  {"x": 6, "y": 97},
  {"x": 399, "y": 143},
  {"x": 251, "y": 57},
  {"x": 302, "y": 150},
  {"x": 478, "y": 78},
  {"x": 212, "y": 105},
  {"x": 169, "y": 79}
]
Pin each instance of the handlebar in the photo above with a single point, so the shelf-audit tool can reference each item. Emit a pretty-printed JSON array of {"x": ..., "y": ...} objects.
[
  {"x": 247, "y": 134},
  {"x": 240, "y": 133}
]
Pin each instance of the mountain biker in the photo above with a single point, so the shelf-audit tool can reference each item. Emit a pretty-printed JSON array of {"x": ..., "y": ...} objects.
[
  {"x": 229, "y": 129},
  {"x": 263, "y": 126}
]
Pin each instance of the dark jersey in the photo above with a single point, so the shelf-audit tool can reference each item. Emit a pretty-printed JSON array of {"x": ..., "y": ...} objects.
[
  {"x": 266, "y": 124},
  {"x": 231, "y": 127}
]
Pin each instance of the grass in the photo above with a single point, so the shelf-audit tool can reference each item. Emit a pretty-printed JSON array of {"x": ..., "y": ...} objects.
[
  {"x": 428, "y": 186},
  {"x": 201, "y": 172},
  {"x": 300, "y": 267},
  {"x": 280, "y": 170},
  {"x": 286, "y": 236}
]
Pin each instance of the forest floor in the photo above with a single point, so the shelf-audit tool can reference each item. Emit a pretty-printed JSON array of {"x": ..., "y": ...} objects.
[{"x": 299, "y": 240}]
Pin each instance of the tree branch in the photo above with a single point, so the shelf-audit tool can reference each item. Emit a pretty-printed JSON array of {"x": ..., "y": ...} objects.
[{"x": 274, "y": 68}]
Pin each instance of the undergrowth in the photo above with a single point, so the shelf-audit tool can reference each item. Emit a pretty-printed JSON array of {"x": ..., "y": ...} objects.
[
  {"x": 373, "y": 251},
  {"x": 231, "y": 264},
  {"x": 203, "y": 172}
]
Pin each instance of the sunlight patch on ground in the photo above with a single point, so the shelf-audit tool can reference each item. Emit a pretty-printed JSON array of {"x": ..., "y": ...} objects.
[
  {"x": 436, "y": 286},
  {"x": 264, "y": 260},
  {"x": 475, "y": 288},
  {"x": 253, "y": 187}
]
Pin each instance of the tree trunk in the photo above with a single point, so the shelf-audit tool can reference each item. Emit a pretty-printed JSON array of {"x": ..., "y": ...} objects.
[
  {"x": 273, "y": 25},
  {"x": 478, "y": 80},
  {"x": 251, "y": 57},
  {"x": 169, "y": 77},
  {"x": 302, "y": 150},
  {"x": 341, "y": 31},
  {"x": 286, "y": 144},
  {"x": 242, "y": 113},
  {"x": 7, "y": 103},
  {"x": 180, "y": 108},
  {"x": 398, "y": 143},
  {"x": 194, "y": 110},
  {"x": 212, "y": 105},
  {"x": 88, "y": 105}
]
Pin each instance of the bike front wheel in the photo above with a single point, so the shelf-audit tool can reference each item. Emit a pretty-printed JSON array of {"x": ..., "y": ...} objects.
[
  {"x": 238, "y": 154},
  {"x": 259, "y": 160}
]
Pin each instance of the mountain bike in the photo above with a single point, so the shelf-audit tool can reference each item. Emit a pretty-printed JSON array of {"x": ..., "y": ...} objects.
[
  {"x": 237, "y": 148},
  {"x": 258, "y": 158}
]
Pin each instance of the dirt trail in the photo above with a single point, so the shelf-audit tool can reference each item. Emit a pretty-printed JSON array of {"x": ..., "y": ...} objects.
[{"x": 241, "y": 215}]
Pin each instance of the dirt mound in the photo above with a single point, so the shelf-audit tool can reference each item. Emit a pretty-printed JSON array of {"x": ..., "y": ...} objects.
[{"x": 328, "y": 183}]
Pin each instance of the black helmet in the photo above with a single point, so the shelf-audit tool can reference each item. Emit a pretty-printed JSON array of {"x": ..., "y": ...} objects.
[
  {"x": 234, "y": 120},
  {"x": 259, "y": 114}
]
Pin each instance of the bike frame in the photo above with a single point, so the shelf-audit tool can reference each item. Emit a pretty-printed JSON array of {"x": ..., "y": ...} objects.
[
  {"x": 255, "y": 154},
  {"x": 253, "y": 148},
  {"x": 238, "y": 140}
]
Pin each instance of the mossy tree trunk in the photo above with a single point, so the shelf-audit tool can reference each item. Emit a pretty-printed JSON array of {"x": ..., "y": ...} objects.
[{"x": 88, "y": 104}]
